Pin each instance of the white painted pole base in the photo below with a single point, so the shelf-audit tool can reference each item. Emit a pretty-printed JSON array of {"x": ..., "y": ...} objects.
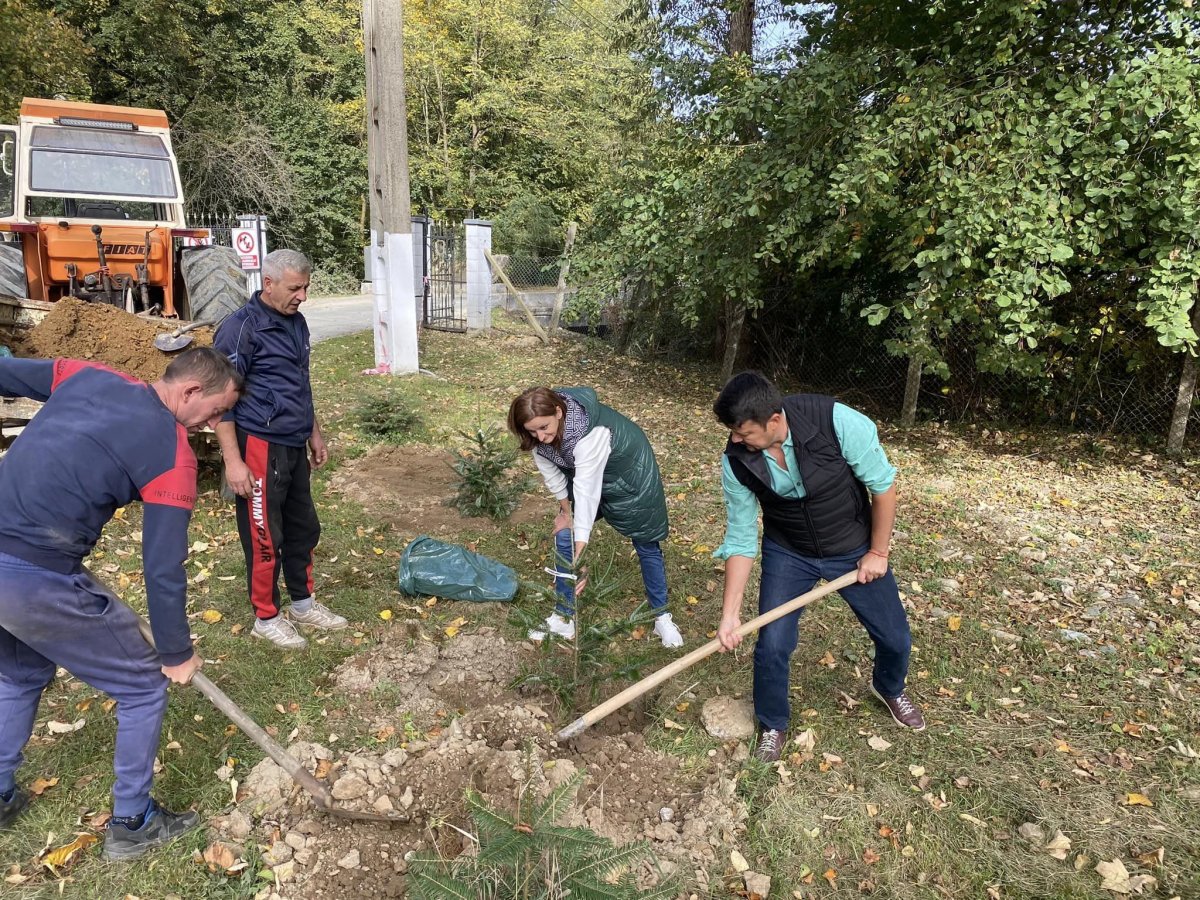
[{"x": 395, "y": 308}]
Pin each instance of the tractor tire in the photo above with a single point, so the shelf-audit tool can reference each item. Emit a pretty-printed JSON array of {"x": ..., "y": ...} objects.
[
  {"x": 12, "y": 271},
  {"x": 214, "y": 281}
]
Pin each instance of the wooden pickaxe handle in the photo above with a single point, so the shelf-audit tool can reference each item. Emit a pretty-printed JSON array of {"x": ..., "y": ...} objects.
[{"x": 636, "y": 690}]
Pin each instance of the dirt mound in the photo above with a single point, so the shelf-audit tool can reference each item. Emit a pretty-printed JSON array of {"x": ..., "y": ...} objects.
[
  {"x": 410, "y": 487},
  {"x": 105, "y": 334},
  {"x": 503, "y": 749}
]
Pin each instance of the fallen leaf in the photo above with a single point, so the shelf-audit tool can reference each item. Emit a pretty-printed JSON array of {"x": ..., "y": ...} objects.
[
  {"x": 966, "y": 817},
  {"x": 432, "y": 601},
  {"x": 237, "y": 629},
  {"x": 41, "y": 784},
  {"x": 1136, "y": 800},
  {"x": 385, "y": 614},
  {"x": 692, "y": 601},
  {"x": 827, "y": 660},
  {"x": 1032, "y": 833},
  {"x": 219, "y": 857},
  {"x": 323, "y": 767},
  {"x": 805, "y": 741},
  {"x": 916, "y": 771},
  {"x": 875, "y": 742},
  {"x": 637, "y": 634},
  {"x": 451, "y": 631},
  {"x": 1059, "y": 845},
  {"x": 1114, "y": 876},
  {"x": 682, "y": 707},
  {"x": 61, "y": 856},
  {"x": 99, "y": 820},
  {"x": 936, "y": 802},
  {"x": 1151, "y": 858},
  {"x": 211, "y": 616},
  {"x": 870, "y": 857},
  {"x": 55, "y": 727},
  {"x": 84, "y": 705},
  {"x": 954, "y": 623},
  {"x": 1138, "y": 882},
  {"x": 831, "y": 876},
  {"x": 668, "y": 723}
]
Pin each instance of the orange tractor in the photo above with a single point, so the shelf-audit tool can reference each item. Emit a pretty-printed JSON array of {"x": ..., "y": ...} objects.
[{"x": 91, "y": 207}]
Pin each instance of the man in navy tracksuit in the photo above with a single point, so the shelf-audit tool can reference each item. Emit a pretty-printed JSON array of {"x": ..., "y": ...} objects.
[
  {"x": 263, "y": 442},
  {"x": 102, "y": 440}
]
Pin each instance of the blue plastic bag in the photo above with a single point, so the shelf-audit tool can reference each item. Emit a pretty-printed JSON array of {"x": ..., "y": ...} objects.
[{"x": 434, "y": 567}]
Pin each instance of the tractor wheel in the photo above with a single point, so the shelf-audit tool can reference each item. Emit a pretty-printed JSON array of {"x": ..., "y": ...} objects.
[
  {"x": 215, "y": 283},
  {"x": 12, "y": 271}
]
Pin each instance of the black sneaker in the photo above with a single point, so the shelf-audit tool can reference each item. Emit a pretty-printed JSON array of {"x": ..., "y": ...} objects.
[
  {"x": 161, "y": 826},
  {"x": 11, "y": 809}
]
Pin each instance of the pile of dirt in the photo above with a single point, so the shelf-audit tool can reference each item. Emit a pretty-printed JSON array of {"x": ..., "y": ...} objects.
[
  {"x": 504, "y": 749},
  {"x": 104, "y": 334},
  {"x": 411, "y": 487}
]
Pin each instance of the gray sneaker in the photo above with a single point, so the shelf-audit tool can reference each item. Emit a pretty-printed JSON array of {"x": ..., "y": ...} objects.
[
  {"x": 160, "y": 827},
  {"x": 318, "y": 616},
  {"x": 280, "y": 632}
]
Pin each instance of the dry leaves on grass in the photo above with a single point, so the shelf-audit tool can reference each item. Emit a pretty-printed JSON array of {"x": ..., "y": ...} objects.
[
  {"x": 222, "y": 858},
  {"x": 60, "y": 857},
  {"x": 41, "y": 785}
]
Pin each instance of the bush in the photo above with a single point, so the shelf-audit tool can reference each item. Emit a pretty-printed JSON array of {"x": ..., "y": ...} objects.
[
  {"x": 484, "y": 487},
  {"x": 389, "y": 418}
]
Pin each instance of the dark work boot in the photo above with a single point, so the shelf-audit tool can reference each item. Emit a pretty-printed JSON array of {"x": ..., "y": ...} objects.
[
  {"x": 160, "y": 826},
  {"x": 12, "y": 807}
]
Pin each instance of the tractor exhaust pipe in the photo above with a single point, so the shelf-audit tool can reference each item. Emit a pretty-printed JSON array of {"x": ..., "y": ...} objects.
[{"x": 110, "y": 294}]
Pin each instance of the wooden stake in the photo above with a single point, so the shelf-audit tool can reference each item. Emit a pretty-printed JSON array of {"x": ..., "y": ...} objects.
[{"x": 520, "y": 298}]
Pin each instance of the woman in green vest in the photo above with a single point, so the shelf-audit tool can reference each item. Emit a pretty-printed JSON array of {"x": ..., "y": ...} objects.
[{"x": 595, "y": 459}]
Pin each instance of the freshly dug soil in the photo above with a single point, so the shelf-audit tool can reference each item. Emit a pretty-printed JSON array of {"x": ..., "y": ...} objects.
[
  {"x": 411, "y": 487},
  {"x": 502, "y": 747},
  {"x": 104, "y": 334}
]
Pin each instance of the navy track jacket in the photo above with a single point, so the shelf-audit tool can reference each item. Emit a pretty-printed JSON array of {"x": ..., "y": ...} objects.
[
  {"x": 270, "y": 351},
  {"x": 102, "y": 440}
]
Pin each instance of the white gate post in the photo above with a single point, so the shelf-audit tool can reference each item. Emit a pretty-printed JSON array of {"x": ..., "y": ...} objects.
[{"x": 479, "y": 274}]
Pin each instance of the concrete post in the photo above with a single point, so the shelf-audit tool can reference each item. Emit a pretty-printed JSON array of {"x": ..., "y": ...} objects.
[{"x": 479, "y": 274}]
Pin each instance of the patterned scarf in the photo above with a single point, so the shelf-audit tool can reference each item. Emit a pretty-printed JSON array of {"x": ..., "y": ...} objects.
[{"x": 574, "y": 427}]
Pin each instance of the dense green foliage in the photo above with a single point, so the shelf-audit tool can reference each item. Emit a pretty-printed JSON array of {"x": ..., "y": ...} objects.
[
  {"x": 1017, "y": 169},
  {"x": 507, "y": 117}
]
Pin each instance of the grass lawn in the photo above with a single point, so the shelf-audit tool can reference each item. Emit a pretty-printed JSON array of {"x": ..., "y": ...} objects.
[{"x": 1053, "y": 585}]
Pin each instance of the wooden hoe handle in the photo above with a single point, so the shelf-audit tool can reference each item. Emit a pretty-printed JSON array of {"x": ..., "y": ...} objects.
[
  {"x": 636, "y": 690},
  {"x": 253, "y": 730}
]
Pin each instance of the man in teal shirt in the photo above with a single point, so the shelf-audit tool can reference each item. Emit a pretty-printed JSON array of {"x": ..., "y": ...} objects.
[{"x": 828, "y": 499}]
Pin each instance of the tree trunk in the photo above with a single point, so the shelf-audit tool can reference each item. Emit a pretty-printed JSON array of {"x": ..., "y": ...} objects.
[
  {"x": 735, "y": 318},
  {"x": 912, "y": 388},
  {"x": 1187, "y": 389},
  {"x": 741, "y": 29}
]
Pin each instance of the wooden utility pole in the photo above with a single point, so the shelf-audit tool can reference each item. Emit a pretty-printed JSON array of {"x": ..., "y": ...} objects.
[{"x": 391, "y": 243}]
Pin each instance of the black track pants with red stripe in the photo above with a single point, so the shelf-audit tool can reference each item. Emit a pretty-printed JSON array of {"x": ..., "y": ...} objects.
[{"x": 278, "y": 525}]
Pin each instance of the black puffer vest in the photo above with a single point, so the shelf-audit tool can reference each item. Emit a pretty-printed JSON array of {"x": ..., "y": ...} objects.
[{"x": 834, "y": 518}]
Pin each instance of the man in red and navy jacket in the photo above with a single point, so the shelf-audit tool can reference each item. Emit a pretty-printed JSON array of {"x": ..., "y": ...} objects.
[
  {"x": 263, "y": 442},
  {"x": 101, "y": 441}
]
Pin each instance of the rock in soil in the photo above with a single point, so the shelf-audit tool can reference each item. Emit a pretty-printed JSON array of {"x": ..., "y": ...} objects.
[{"x": 728, "y": 719}]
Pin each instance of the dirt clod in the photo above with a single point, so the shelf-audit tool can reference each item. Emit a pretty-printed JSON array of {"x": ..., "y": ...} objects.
[{"x": 105, "y": 334}]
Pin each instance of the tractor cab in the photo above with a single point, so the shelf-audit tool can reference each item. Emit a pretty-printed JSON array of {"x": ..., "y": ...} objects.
[{"x": 91, "y": 196}]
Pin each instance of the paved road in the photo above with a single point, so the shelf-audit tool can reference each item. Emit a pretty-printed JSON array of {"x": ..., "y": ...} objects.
[{"x": 332, "y": 316}]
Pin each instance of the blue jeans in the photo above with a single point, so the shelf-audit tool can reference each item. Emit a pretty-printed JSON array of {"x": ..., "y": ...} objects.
[
  {"x": 785, "y": 575},
  {"x": 650, "y": 558},
  {"x": 48, "y": 619}
]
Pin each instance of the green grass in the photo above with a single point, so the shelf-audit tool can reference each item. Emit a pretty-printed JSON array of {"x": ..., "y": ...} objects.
[{"x": 1037, "y": 730}]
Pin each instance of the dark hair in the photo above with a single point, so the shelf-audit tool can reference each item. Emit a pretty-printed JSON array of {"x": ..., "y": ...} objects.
[
  {"x": 538, "y": 401},
  {"x": 747, "y": 397},
  {"x": 210, "y": 367}
]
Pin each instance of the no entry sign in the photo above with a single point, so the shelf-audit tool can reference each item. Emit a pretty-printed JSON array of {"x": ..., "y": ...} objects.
[{"x": 245, "y": 242}]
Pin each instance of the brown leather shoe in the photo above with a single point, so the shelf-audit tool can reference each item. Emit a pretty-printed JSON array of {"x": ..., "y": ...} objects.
[
  {"x": 903, "y": 710},
  {"x": 770, "y": 745}
]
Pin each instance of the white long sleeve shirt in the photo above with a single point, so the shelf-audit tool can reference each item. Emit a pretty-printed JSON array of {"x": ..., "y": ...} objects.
[{"x": 591, "y": 456}]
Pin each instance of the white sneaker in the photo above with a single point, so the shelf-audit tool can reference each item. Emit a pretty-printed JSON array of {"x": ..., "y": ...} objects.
[
  {"x": 318, "y": 616},
  {"x": 280, "y": 632},
  {"x": 668, "y": 631},
  {"x": 555, "y": 625}
]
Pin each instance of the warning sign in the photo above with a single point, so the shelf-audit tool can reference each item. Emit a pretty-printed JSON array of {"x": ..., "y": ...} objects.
[
  {"x": 245, "y": 242},
  {"x": 198, "y": 241}
]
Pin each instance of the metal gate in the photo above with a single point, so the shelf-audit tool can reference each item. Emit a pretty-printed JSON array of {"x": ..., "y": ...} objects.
[{"x": 446, "y": 278}]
